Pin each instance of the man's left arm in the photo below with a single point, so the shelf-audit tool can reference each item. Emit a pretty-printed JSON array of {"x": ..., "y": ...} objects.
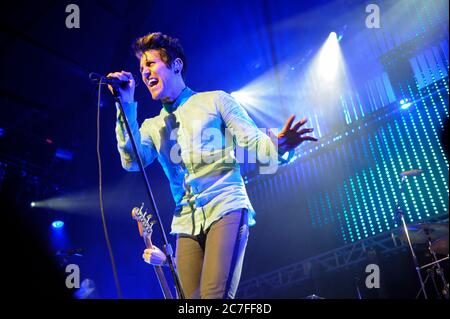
[{"x": 248, "y": 135}]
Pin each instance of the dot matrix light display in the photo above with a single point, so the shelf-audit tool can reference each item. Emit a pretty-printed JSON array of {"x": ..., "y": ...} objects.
[
  {"x": 354, "y": 182},
  {"x": 393, "y": 122}
]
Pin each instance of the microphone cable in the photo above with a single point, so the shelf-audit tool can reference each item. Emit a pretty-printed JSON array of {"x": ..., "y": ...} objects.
[{"x": 100, "y": 188}]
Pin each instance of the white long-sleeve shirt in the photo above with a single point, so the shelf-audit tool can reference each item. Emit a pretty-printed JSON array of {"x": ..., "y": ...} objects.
[{"x": 195, "y": 142}]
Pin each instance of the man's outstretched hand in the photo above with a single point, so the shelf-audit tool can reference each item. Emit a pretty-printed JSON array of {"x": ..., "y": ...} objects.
[{"x": 291, "y": 137}]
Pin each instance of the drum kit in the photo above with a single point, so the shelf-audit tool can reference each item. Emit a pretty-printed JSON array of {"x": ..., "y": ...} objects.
[{"x": 432, "y": 235}]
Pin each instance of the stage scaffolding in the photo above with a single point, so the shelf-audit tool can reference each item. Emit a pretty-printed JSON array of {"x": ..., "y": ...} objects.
[{"x": 340, "y": 258}]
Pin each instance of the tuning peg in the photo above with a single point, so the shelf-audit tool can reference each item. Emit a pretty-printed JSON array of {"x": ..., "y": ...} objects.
[{"x": 134, "y": 212}]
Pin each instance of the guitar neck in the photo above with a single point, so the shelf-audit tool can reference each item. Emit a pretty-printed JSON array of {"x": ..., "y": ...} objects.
[
  {"x": 163, "y": 282},
  {"x": 145, "y": 230},
  {"x": 159, "y": 271}
]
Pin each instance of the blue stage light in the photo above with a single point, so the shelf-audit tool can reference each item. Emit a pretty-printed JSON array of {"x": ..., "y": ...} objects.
[
  {"x": 404, "y": 104},
  {"x": 58, "y": 224},
  {"x": 64, "y": 154},
  {"x": 329, "y": 59}
]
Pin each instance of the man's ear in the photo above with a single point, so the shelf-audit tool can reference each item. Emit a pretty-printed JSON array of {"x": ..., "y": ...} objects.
[{"x": 177, "y": 65}]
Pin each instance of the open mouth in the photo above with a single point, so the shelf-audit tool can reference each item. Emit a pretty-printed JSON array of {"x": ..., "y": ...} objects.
[{"x": 152, "y": 82}]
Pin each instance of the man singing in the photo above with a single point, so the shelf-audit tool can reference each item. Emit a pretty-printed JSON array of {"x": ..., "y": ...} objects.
[{"x": 189, "y": 139}]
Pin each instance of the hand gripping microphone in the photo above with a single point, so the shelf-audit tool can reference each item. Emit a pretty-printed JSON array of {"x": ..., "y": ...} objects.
[{"x": 96, "y": 78}]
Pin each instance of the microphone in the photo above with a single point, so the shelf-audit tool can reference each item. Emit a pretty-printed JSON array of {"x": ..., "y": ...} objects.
[{"x": 96, "y": 78}]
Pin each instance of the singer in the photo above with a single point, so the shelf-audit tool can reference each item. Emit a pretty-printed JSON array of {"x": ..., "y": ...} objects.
[{"x": 189, "y": 138}]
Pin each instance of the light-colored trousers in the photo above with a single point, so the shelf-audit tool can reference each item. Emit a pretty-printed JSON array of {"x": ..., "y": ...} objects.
[{"x": 210, "y": 264}]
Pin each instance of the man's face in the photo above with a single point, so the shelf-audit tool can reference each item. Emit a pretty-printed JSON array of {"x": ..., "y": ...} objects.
[{"x": 156, "y": 75}]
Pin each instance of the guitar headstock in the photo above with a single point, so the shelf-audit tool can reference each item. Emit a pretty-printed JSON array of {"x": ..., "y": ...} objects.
[{"x": 145, "y": 223}]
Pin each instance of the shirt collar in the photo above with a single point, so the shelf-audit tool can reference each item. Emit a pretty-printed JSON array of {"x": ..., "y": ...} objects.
[{"x": 179, "y": 101}]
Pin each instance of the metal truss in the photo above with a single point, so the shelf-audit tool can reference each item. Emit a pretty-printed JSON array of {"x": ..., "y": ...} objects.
[{"x": 343, "y": 257}]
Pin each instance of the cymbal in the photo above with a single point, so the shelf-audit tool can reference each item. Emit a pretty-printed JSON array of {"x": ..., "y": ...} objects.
[
  {"x": 421, "y": 233},
  {"x": 413, "y": 172},
  {"x": 440, "y": 246}
]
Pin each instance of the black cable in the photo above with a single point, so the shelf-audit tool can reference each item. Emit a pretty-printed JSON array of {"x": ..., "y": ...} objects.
[{"x": 100, "y": 189}]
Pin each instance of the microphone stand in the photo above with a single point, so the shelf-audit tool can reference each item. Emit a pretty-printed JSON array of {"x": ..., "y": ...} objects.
[
  {"x": 167, "y": 247},
  {"x": 405, "y": 229}
]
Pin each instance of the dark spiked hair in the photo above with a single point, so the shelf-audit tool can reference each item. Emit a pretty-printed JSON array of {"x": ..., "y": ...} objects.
[{"x": 169, "y": 48}]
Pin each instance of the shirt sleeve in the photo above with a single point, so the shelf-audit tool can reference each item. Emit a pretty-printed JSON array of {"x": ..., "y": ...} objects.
[
  {"x": 247, "y": 134},
  {"x": 142, "y": 136}
]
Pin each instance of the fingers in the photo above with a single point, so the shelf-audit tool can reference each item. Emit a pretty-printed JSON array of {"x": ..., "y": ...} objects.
[
  {"x": 118, "y": 75},
  {"x": 126, "y": 91},
  {"x": 288, "y": 124},
  {"x": 309, "y": 138},
  {"x": 114, "y": 75},
  {"x": 128, "y": 75},
  {"x": 299, "y": 123},
  {"x": 146, "y": 257},
  {"x": 123, "y": 76},
  {"x": 305, "y": 130},
  {"x": 306, "y": 138},
  {"x": 154, "y": 256}
]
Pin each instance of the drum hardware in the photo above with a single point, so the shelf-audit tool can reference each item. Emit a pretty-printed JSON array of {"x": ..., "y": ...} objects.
[
  {"x": 434, "y": 269},
  {"x": 434, "y": 262},
  {"x": 400, "y": 215},
  {"x": 435, "y": 235},
  {"x": 440, "y": 245}
]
